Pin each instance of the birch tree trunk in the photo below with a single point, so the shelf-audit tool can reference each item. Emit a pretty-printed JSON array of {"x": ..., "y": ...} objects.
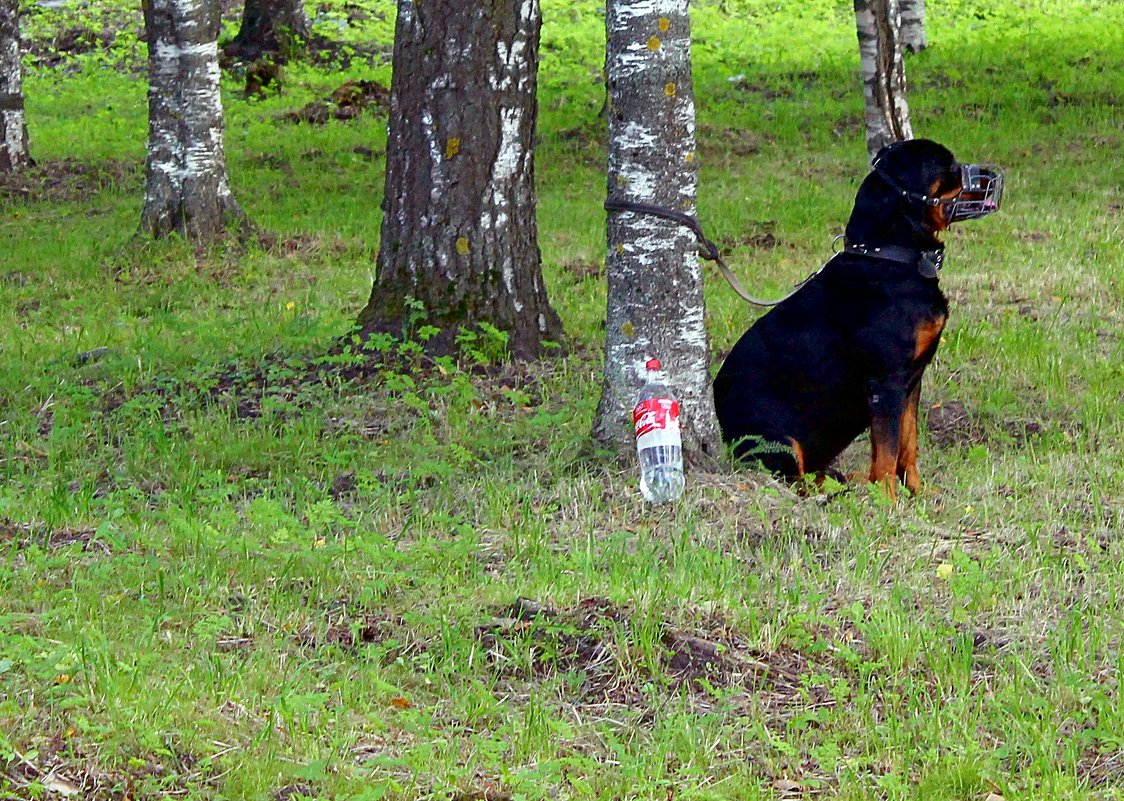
[
  {"x": 14, "y": 152},
  {"x": 186, "y": 186},
  {"x": 913, "y": 25},
  {"x": 270, "y": 26},
  {"x": 655, "y": 303},
  {"x": 887, "y": 112},
  {"x": 459, "y": 232}
]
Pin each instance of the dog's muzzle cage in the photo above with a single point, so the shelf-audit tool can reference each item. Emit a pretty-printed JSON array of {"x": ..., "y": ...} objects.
[{"x": 982, "y": 182}]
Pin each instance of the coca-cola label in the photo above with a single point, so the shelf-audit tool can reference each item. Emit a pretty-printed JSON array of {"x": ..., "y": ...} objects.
[{"x": 655, "y": 414}]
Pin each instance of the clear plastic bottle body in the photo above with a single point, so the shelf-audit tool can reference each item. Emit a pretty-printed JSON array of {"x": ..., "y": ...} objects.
[
  {"x": 659, "y": 444},
  {"x": 661, "y": 473}
]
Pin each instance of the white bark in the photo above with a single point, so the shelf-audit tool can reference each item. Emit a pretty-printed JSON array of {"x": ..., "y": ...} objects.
[
  {"x": 14, "y": 153},
  {"x": 913, "y": 26},
  {"x": 186, "y": 189},
  {"x": 655, "y": 303},
  {"x": 883, "y": 68}
]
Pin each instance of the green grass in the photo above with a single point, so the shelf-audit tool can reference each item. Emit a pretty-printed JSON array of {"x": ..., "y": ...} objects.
[{"x": 232, "y": 568}]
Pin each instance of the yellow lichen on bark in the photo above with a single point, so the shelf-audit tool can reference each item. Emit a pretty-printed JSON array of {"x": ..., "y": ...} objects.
[
  {"x": 669, "y": 90},
  {"x": 664, "y": 24},
  {"x": 654, "y": 43},
  {"x": 452, "y": 147},
  {"x": 462, "y": 245}
]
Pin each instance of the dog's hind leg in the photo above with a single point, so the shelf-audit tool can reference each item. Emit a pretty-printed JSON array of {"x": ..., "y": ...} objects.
[{"x": 798, "y": 456}]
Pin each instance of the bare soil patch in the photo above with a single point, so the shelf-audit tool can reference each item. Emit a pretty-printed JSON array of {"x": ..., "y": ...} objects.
[
  {"x": 598, "y": 640},
  {"x": 1100, "y": 770},
  {"x": 287, "y": 383},
  {"x": 950, "y": 423},
  {"x": 583, "y": 269},
  {"x": 296, "y": 792},
  {"x": 487, "y": 791},
  {"x": 70, "y": 180},
  {"x": 724, "y": 142},
  {"x": 26, "y": 534},
  {"x": 347, "y": 102},
  {"x": 348, "y": 626},
  {"x": 66, "y": 767},
  {"x": 759, "y": 235}
]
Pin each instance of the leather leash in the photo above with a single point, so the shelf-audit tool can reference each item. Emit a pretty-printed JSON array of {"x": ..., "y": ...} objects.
[
  {"x": 928, "y": 261},
  {"x": 709, "y": 250}
]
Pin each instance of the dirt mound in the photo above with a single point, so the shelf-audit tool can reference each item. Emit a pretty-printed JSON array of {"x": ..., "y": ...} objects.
[
  {"x": 950, "y": 423},
  {"x": 282, "y": 381},
  {"x": 616, "y": 651},
  {"x": 345, "y": 103}
]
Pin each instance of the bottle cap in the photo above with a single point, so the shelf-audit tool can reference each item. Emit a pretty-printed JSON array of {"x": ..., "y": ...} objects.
[{"x": 652, "y": 364}]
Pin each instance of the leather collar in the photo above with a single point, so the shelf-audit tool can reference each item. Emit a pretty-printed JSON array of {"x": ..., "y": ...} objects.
[{"x": 928, "y": 262}]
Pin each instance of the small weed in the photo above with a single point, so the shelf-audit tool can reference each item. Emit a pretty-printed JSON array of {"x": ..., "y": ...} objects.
[{"x": 487, "y": 345}]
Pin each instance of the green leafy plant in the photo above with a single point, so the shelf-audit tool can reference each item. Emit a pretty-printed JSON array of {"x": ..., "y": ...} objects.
[{"x": 484, "y": 345}]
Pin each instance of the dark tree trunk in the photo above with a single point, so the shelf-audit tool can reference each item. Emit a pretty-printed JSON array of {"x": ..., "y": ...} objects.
[
  {"x": 887, "y": 112},
  {"x": 186, "y": 187},
  {"x": 655, "y": 304},
  {"x": 459, "y": 233},
  {"x": 14, "y": 153},
  {"x": 270, "y": 27},
  {"x": 913, "y": 25}
]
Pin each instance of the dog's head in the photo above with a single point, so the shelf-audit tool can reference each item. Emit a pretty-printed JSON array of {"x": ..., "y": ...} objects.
[{"x": 921, "y": 184}]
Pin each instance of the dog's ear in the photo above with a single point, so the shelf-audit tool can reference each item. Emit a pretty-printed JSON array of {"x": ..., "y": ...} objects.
[{"x": 886, "y": 151}]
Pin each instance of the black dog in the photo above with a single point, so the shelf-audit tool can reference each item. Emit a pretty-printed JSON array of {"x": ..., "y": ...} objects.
[{"x": 847, "y": 350}]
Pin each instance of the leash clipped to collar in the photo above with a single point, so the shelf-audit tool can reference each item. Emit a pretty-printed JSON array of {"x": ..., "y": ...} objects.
[{"x": 709, "y": 250}]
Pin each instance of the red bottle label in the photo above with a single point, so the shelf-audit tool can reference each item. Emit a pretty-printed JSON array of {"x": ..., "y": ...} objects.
[{"x": 655, "y": 414}]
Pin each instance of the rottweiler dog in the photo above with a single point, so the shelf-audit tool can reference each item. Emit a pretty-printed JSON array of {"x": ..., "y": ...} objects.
[{"x": 847, "y": 351}]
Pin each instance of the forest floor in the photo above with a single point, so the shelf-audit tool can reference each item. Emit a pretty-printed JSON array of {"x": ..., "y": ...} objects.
[{"x": 238, "y": 561}]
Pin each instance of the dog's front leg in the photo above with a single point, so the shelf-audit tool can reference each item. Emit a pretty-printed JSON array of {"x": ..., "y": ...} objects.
[
  {"x": 887, "y": 402},
  {"x": 907, "y": 449}
]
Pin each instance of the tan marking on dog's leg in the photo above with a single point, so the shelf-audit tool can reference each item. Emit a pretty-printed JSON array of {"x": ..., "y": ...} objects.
[
  {"x": 907, "y": 443},
  {"x": 798, "y": 454},
  {"x": 884, "y": 456}
]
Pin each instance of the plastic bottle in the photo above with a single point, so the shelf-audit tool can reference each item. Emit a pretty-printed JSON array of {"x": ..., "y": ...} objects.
[{"x": 658, "y": 441}]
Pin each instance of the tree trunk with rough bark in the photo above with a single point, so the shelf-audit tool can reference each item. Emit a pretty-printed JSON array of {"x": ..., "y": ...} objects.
[
  {"x": 913, "y": 26},
  {"x": 883, "y": 68},
  {"x": 276, "y": 27},
  {"x": 14, "y": 152},
  {"x": 459, "y": 234},
  {"x": 186, "y": 186},
  {"x": 655, "y": 303}
]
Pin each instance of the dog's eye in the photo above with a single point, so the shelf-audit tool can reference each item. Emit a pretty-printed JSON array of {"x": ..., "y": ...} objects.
[{"x": 950, "y": 182}]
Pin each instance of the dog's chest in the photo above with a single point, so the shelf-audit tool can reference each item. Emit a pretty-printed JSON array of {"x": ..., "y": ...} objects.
[
  {"x": 926, "y": 337},
  {"x": 898, "y": 321},
  {"x": 929, "y": 311}
]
